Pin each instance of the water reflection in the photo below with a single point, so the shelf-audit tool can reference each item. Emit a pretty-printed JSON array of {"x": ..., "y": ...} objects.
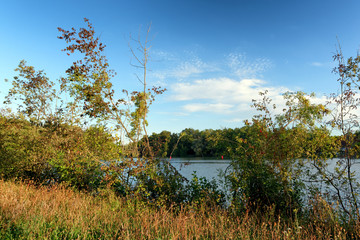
[
  {"x": 210, "y": 167},
  {"x": 204, "y": 167}
]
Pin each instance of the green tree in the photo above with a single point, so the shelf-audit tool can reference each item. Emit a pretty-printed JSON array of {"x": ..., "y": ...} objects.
[
  {"x": 343, "y": 186},
  {"x": 160, "y": 143},
  {"x": 89, "y": 83},
  {"x": 35, "y": 92},
  {"x": 267, "y": 168}
]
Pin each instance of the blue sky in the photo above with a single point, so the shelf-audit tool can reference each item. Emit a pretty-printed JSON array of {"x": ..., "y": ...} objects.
[{"x": 212, "y": 56}]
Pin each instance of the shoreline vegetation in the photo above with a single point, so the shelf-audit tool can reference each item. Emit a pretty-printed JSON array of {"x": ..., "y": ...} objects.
[
  {"x": 57, "y": 212},
  {"x": 76, "y": 161}
]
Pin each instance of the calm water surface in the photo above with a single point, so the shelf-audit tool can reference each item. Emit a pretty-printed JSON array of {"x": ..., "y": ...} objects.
[
  {"x": 210, "y": 167},
  {"x": 204, "y": 167}
]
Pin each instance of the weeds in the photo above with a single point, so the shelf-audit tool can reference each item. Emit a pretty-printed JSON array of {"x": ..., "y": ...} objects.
[{"x": 29, "y": 212}]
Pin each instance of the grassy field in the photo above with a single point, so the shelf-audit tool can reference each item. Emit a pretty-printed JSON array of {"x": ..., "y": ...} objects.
[{"x": 29, "y": 212}]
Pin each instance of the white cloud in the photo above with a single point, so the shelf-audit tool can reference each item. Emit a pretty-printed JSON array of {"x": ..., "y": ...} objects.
[
  {"x": 323, "y": 64},
  {"x": 317, "y": 64},
  {"x": 208, "y": 107},
  {"x": 234, "y": 120},
  {"x": 160, "y": 55},
  {"x": 221, "y": 89},
  {"x": 187, "y": 69},
  {"x": 244, "y": 68},
  {"x": 234, "y": 65},
  {"x": 224, "y": 86},
  {"x": 183, "y": 70},
  {"x": 223, "y": 95}
]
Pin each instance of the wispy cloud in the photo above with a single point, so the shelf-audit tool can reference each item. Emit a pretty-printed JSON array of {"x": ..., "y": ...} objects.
[
  {"x": 158, "y": 55},
  {"x": 322, "y": 64},
  {"x": 225, "y": 86},
  {"x": 190, "y": 68},
  {"x": 234, "y": 120},
  {"x": 317, "y": 64},
  {"x": 234, "y": 64},
  {"x": 224, "y": 94},
  {"x": 224, "y": 89},
  {"x": 245, "y": 68},
  {"x": 208, "y": 107},
  {"x": 219, "y": 91},
  {"x": 183, "y": 70}
]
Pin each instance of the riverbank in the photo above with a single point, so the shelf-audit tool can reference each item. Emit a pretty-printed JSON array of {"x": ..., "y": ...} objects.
[{"x": 29, "y": 212}]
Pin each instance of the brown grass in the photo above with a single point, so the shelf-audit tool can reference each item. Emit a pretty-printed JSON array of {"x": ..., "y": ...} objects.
[{"x": 28, "y": 212}]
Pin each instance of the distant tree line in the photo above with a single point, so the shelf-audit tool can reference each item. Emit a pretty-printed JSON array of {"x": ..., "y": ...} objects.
[
  {"x": 195, "y": 143},
  {"x": 210, "y": 143}
]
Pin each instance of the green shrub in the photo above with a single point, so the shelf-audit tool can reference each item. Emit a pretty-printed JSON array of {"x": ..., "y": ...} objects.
[
  {"x": 202, "y": 191},
  {"x": 55, "y": 152},
  {"x": 161, "y": 183},
  {"x": 257, "y": 187}
]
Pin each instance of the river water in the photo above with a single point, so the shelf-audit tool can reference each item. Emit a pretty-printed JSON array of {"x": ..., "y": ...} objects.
[
  {"x": 210, "y": 167},
  {"x": 204, "y": 167}
]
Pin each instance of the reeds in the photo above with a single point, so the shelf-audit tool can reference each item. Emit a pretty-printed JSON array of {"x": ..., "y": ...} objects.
[{"x": 29, "y": 212}]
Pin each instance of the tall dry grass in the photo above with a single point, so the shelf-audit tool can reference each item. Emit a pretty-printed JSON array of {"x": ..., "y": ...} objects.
[{"x": 28, "y": 212}]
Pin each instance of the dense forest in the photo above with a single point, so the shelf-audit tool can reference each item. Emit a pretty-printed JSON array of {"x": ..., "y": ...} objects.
[
  {"x": 195, "y": 143},
  {"x": 219, "y": 143},
  {"x": 83, "y": 135}
]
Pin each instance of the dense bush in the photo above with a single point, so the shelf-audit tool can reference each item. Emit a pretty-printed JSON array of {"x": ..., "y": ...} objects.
[
  {"x": 256, "y": 187},
  {"x": 24, "y": 149},
  {"x": 268, "y": 169},
  {"x": 54, "y": 152},
  {"x": 201, "y": 191},
  {"x": 89, "y": 159},
  {"x": 162, "y": 184}
]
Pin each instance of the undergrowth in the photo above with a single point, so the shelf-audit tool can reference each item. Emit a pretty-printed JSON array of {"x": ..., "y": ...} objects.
[{"x": 29, "y": 212}]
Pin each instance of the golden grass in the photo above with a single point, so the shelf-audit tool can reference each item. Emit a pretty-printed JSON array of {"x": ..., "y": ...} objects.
[{"x": 28, "y": 212}]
